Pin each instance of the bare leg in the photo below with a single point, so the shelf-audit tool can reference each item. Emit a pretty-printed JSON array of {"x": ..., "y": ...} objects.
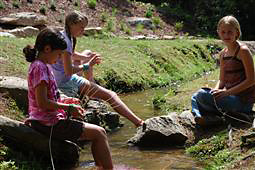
[
  {"x": 100, "y": 147},
  {"x": 94, "y": 90}
]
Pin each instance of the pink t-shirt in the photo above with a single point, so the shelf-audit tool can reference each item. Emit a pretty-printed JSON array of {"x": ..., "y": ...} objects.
[{"x": 38, "y": 72}]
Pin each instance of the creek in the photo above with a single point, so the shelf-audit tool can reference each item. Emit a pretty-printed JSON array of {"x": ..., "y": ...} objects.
[{"x": 131, "y": 158}]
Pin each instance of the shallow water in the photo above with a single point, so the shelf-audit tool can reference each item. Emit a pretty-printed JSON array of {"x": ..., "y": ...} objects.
[{"x": 130, "y": 158}]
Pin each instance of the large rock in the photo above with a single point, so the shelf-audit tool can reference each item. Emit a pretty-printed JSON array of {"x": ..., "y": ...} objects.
[
  {"x": 24, "y": 18},
  {"x": 19, "y": 136},
  {"x": 169, "y": 130},
  {"x": 93, "y": 31},
  {"x": 146, "y": 22},
  {"x": 16, "y": 88},
  {"x": 6, "y": 34},
  {"x": 25, "y": 31}
]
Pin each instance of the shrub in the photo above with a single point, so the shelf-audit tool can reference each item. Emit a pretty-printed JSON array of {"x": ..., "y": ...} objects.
[
  {"x": 110, "y": 25},
  {"x": 104, "y": 17},
  {"x": 178, "y": 26},
  {"x": 92, "y": 3},
  {"x": 139, "y": 28},
  {"x": 15, "y": 3},
  {"x": 149, "y": 12},
  {"x": 2, "y": 6},
  {"x": 43, "y": 9},
  {"x": 53, "y": 5},
  {"x": 156, "y": 21}
]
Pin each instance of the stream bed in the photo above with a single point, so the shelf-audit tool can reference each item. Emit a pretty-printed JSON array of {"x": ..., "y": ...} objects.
[{"x": 133, "y": 158}]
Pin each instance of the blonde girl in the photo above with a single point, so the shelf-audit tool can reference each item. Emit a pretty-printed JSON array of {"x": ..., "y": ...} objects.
[{"x": 235, "y": 90}]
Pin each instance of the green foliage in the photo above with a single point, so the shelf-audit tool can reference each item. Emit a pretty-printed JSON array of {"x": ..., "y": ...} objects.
[
  {"x": 156, "y": 21},
  {"x": 43, "y": 9},
  {"x": 139, "y": 28},
  {"x": 104, "y": 17},
  {"x": 111, "y": 24},
  {"x": 8, "y": 165},
  {"x": 53, "y": 5},
  {"x": 178, "y": 26},
  {"x": 15, "y": 3},
  {"x": 2, "y": 5},
  {"x": 149, "y": 12},
  {"x": 114, "y": 12},
  {"x": 158, "y": 101},
  {"x": 125, "y": 28},
  {"x": 92, "y": 4},
  {"x": 207, "y": 148},
  {"x": 198, "y": 14}
]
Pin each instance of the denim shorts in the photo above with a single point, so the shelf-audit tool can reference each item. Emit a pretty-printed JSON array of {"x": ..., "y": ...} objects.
[{"x": 71, "y": 87}]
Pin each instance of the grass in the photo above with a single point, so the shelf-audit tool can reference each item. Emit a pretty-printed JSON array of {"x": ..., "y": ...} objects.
[{"x": 128, "y": 65}]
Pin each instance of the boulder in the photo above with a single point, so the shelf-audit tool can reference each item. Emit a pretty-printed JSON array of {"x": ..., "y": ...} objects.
[
  {"x": 16, "y": 88},
  {"x": 24, "y": 18},
  {"x": 169, "y": 130},
  {"x": 17, "y": 135},
  {"x": 24, "y": 32},
  {"x": 146, "y": 22},
  {"x": 92, "y": 31},
  {"x": 6, "y": 34}
]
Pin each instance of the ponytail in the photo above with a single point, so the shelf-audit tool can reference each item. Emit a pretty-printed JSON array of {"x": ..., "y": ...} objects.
[{"x": 30, "y": 53}]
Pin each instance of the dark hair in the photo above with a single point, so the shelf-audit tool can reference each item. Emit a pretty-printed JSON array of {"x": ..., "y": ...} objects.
[
  {"x": 71, "y": 19},
  {"x": 47, "y": 36}
]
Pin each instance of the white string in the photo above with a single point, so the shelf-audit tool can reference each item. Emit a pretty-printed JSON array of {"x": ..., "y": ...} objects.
[
  {"x": 51, "y": 157},
  {"x": 225, "y": 114}
]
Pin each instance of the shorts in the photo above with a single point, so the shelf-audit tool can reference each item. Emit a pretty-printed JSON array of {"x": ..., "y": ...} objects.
[
  {"x": 67, "y": 129},
  {"x": 71, "y": 87}
]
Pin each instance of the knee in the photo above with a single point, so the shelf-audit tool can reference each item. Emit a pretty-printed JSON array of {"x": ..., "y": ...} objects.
[
  {"x": 202, "y": 95},
  {"x": 100, "y": 133},
  {"x": 111, "y": 95}
]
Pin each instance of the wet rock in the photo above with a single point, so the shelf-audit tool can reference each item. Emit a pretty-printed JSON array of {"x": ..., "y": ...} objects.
[{"x": 161, "y": 131}]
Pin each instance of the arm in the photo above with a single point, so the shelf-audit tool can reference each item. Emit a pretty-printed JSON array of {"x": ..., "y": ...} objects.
[
  {"x": 246, "y": 57},
  {"x": 44, "y": 103},
  {"x": 71, "y": 69},
  {"x": 220, "y": 83},
  {"x": 85, "y": 56}
]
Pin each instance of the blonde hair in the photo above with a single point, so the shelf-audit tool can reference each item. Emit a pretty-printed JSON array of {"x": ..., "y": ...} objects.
[
  {"x": 74, "y": 18},
  {"x": 232, "y": 21}
]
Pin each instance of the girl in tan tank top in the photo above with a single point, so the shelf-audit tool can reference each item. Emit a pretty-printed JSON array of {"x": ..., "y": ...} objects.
[{"x": 235, "y": 90}]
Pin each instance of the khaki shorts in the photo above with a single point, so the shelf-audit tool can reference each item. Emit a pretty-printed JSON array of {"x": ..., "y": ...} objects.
[{"x": 68, "y": 129}]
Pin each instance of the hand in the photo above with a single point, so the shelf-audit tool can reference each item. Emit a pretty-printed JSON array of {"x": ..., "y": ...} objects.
[
  {"x": 77, "y": 111},
  {"x": 96, "y": 59},
  {"x": 219, "y": 93}
]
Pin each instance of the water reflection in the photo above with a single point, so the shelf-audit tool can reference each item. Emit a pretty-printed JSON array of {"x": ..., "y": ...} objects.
[{"x": 130, "y": 158}]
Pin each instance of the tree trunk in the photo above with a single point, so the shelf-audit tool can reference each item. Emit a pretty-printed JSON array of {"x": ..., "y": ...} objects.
[{"x": 16, "y": 134}]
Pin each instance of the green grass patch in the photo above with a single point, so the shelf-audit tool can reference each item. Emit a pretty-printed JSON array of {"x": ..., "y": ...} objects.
[{"x": 128, "y": 65}]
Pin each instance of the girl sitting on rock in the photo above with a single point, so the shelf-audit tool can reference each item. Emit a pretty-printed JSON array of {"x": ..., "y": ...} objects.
[
  {"x": 235, "y": 90},
  {"x": 47, "y": 114},
  {"x": 65, "y": 71}
]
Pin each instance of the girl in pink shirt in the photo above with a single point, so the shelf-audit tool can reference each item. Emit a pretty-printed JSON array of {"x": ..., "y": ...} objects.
[{"x": 47, "y": 114}]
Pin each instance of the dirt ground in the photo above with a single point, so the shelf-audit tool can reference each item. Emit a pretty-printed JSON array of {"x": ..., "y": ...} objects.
[{"x": 55, "y": 10}]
